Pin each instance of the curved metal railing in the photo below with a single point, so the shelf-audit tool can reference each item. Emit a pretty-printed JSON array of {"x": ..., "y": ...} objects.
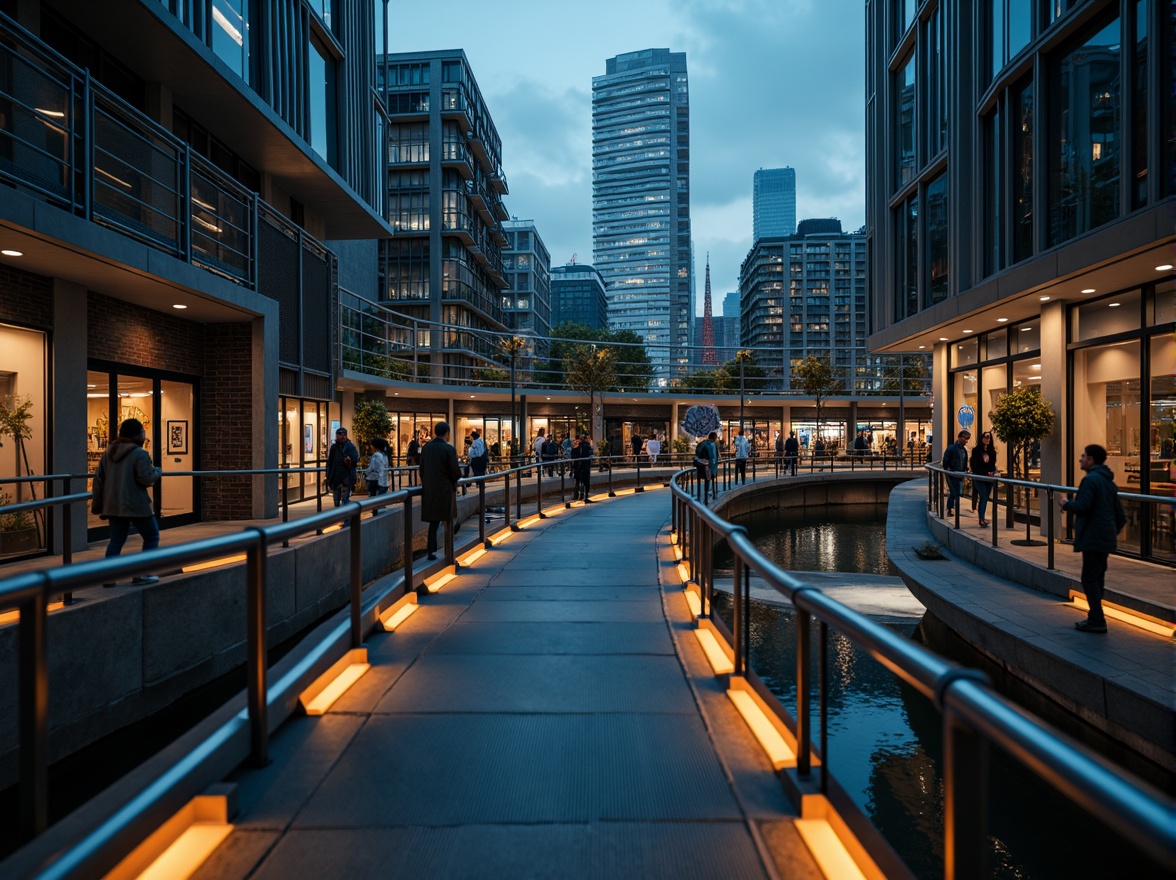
[{"x": 974, "y": 714}]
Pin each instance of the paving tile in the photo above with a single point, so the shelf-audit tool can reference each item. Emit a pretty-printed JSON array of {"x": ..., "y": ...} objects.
[
  {"x": 597, "y": 851},
  {"x": 587, "y": 610},
  {"x": 473, "y": 768},
  {"x": 514, "y": 637},
  {"x": 536, "y": 683}
]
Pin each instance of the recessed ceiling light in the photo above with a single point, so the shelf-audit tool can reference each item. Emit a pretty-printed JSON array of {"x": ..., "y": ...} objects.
[
  {"x": 1026, "y": 329},
  {"x": 179, "y": 306},
  {"x": 1164, "y": 268},
  {"x": 12, "y": 253},
  {"x": 922, "y": 346},
  {"x": 1035, "y": 366},
  {"x": 471, "y": 396},
  {"x": 943, "y": 339},
  {"x": 1045, "y": 299},
  {"x": 1088, "y": 290},
  {"x": 967, "y": 331},
  {"x": 1113, "y": 305},
  {"x": 1001, "y": 320}
]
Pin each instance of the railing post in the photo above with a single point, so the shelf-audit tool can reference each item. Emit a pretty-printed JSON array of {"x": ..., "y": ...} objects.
[
  {"x": 67, "y": 534},
  {"x": 482, "y": 513},
  {"x": 34, "y": 717},
  {"x": 611, "y": 493},
  {"x": 803, "y": 688},
  {"x": 823, "y": 699},
  {"x": 408, "y": 532},
  {"x": 639, "y": 488},
  {"x": 965, "y": 800},
  {"x": 539, "y": 492},
  {"x": 738, "y": 613},
  {"x": 518, "y": 494},
  {"x": 255, "y": 576},
  {"x": 506, "y": 502},
  {"x": 1049, "y": 529},
  {"x": 356, "y": 576}
]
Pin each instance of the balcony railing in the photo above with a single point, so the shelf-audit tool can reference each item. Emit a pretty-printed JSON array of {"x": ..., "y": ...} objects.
[{"x": 66, "y": 139}]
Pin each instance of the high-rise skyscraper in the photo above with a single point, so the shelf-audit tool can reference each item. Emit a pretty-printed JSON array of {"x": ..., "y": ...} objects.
[
  {"x": 773, "y": 202},
  {"x": 526, "y": 303},
  {"x": 641, "y": 201}
]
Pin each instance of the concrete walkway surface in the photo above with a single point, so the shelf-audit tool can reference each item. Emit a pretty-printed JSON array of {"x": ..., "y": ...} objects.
[{"x": 541, "y": 716}]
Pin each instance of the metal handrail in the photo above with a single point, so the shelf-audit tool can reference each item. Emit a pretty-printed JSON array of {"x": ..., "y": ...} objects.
[
  {"x": 974, "y": 714},
  {"x": 936, "y": 474}
]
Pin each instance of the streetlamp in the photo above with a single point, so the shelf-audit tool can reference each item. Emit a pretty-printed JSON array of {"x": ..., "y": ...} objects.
[
  {"x": 513, "y": 346},
  {"x": 741, "y": 358}
]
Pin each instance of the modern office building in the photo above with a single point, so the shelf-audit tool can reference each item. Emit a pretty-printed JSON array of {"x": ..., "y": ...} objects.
[
  {"x": 805, "y": 294},
  {"x": 179, "y": 180},
  {"x": 641, "y": 201},
  {"x": 577, "y": 294},
  {"x": 773, "y": 203},
  {"x": 527, "y": 300},
  {"x": 1021, "y": 220},
  {"x": 731, "y": 305},
  {"x": 443, "y": 263}
]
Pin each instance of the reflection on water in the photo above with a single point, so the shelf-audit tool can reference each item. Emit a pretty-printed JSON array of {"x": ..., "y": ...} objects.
[
  {"x": 885, "y": 740},
  {"x": 835, "y": 538}
]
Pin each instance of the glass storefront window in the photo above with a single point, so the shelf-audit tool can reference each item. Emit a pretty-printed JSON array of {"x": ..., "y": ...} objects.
[
  {"x": 1084, "y": 135},
  {"x": 1107, "y": 317},
  {"x": 177, "y": 452},
  {"x": 995, "y": 385},
  {"x": 964, "y": 392},
  {"x": 996, "y": 345},
  {"x": 22, "y": 389},
  {"x": 1026, "y": 337},
  {"x": 965, "y": 352},
  {"x": 1164, "y": 309},
  {"x": 1161, "y": 472}
]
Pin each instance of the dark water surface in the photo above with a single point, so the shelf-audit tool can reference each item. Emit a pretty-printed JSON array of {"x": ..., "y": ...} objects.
[
  {"x": 885, "y": 740},
  {"x": 836, "y": 538}
]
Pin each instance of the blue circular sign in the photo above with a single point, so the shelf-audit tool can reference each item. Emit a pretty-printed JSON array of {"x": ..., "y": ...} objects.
[{"x": 966, "y": 416}]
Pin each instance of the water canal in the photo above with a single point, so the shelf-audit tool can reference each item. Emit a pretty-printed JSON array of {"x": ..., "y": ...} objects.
[{"x": 884, "y": 739}]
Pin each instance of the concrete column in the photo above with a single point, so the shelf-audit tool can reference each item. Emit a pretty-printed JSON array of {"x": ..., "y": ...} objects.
[
  {"x": 673, "y": 425},
  {"x": 1054, "y": 376},
  {"x": 67, "y": 400},
  {"x": 941, "y": 419}
]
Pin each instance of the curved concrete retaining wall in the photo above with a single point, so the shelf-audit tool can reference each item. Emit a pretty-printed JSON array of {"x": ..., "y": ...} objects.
[{"x": 812, "y": 490}]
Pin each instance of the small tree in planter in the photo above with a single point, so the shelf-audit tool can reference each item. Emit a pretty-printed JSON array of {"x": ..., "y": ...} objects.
[
  {"x": 1021, "y": 418},
  {"x": 15, "y": 416},
  {"x": 370, "y": 420},
  {"x": 18, "y": 531}
]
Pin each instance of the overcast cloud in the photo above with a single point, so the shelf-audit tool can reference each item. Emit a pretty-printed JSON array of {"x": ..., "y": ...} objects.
[{"x": 772, "y": 83}]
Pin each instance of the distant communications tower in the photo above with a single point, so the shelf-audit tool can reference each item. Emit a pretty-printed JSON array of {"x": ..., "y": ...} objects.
[{"x": 708, "y": 324}]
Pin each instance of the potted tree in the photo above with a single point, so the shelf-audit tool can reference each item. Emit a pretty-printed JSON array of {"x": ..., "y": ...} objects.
[
  {"x": 1021, "y": 418},
  {"x": 370, "y": 420},
  {"x": 18, "y": 531},
  {"x": 15, "y": 415}
]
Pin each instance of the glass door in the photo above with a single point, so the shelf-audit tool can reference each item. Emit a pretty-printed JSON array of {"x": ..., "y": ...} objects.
[{"x": 176, "y": 451}]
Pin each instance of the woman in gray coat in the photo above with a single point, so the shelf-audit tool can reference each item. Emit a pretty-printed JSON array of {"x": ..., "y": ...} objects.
[{"x": 440, "y": 472}]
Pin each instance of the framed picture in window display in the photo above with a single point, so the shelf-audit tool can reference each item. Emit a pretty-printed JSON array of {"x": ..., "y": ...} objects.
[
  {"x": 308, "y": 438},
  {"x": 177, "y": 437}
]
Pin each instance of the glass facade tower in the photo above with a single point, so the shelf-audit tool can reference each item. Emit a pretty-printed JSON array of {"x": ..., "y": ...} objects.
[
  {"x": 641, "y": 201},
  {"x": 773, "y": 202}
]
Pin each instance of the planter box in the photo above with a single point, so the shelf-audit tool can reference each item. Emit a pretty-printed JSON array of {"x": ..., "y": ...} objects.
[{"x": 22, "y": 541}]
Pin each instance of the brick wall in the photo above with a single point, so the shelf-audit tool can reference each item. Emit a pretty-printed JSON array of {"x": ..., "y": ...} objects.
[
  {"x": 129, "y": 334},
  {"x": 226, "y": 402},
  {"x": 25, "y": 298}
]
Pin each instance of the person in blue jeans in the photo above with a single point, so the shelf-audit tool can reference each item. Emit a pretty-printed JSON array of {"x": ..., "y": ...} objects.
[
  {"x": 955, "y": 458},
  {"x": 120, "y": 494}
]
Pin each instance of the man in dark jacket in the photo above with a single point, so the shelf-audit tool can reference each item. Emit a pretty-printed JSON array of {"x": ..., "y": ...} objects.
[
  {"x": 120, "y": 492},
  {"x": 342, "y": 460},
  {"x": 955, "y": 458},
  {"x": 439, "y": 475},
  {"x": 582, "y": 468},
  {"x": 1098, "y": 518},
  {"x": 791, "y": 452}
]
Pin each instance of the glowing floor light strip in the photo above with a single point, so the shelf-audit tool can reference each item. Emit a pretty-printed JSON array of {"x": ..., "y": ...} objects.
[
  {"x": 189, "y": 851},
  {"x": 828, "y": 850},
  {"x": 14, "y": 616},
  {"x": 472, "y": 557},
  {"x": 694, "y": 602},
  {"x": 435, "y": 585},
  {"x": 328, "y": 695},
  {"x": 1166, "y": 630},
  {"x": 762, "y": 729},
  {"x": 398, "y": 616},
  {"x": 714, "y": 654},
  {"x": 501, "y": 537},
  {"x": 528, "y": 521},
  {"x": 683, "y": 572}
]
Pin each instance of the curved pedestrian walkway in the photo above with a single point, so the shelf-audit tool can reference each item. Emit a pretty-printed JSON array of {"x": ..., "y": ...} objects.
[{"x": 541, "y": 716}]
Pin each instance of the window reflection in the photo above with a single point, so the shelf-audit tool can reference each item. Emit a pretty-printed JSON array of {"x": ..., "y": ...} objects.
[
  {"x": 230, "y": 34},
  {"x": 937, "y": 281},
  {"x": 906, "y": 122},
  {"x": 320, "y": 81},
  {"x": 1084, "y": 136}
]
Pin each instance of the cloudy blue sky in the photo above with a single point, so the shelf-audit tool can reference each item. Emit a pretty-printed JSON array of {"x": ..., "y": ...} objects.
[{"x": 772, "y": 83}]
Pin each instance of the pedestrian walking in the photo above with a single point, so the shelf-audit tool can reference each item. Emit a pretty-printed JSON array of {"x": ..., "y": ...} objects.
[
  {"x": 637, "y": 442},
  {"x": 1098, "y": 519},
  {"x": 653, "y": 448},
  {"x": 983, "y": 464},
  {"x": 412, "y": 457},
  {"x": 706, "y": 464},
  {"x": 479, "y": 454},
  {"x": 791, "y": 453},
  {"x": 538, "y": 444},
  {"x": 742, "y": 451},
  {"x": 119, "y": 493},
  {"x": 582, "y": 468},
  {"x": 550, "y": 453},
  {"x": 955, "y": 459},
  {"x": 439, "y": 475},
  {"x": 565, "y": 447},
  {"x": 377, "y": 470},
  {"x": 342, "y": 460}
]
